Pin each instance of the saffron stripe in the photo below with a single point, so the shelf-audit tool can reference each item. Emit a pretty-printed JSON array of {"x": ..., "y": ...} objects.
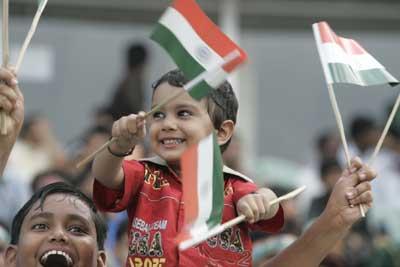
[
  {"x": 190, "y": 196},
  {"x": 205, "y": 28}
]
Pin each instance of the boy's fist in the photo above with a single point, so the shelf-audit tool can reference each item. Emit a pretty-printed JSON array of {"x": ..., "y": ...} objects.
[
  {"x": 256, "y": 206},
  {"x": 128, "y": 131}
]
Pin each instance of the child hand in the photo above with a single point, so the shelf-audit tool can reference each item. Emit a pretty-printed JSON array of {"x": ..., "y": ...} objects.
[
  {"x": 352, "y": 188},
  {"x": 128, "y": 130},
  {"x": 11, "y": 101},
  {"x": 256, "y": 206}
]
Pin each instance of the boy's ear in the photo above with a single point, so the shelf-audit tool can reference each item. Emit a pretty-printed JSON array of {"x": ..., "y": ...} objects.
[
  {"x": 101, "y": 259},
  {"x": 10, "y": 256},
  {"x": 225, "y": 131}
]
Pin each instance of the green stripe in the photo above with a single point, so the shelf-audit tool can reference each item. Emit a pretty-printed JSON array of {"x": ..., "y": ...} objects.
[
  {"x": 200, "y": 90},
  {"x": 166, "y": 38},
  {"x": 218, "y": 188},
  {"x": 343, "y": 73}
]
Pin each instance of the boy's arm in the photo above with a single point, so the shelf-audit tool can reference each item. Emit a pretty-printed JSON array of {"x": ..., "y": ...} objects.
[
  {"x": 12, "y": 103},
  {"x": 339, "y": 215},
  {"x": 107, "y": 166}
]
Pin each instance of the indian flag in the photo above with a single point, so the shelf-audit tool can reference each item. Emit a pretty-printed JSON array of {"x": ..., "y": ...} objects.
[
  {"x": 203, "y": 188},
  {"x": 345, "y": 61},
  {"x": 197, "y": 46}
]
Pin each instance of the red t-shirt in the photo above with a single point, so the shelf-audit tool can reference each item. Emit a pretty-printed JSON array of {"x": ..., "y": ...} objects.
[{"x": 152, "y": 196}]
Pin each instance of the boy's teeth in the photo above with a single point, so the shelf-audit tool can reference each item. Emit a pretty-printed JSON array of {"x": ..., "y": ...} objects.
[{"x": 172, "y": 141}]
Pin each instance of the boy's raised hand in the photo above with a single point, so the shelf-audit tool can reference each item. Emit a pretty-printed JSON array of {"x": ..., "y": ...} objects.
[
  {"x": 352, "y": 189},
  {"x": 128, "y": 131},
  {"x": 256, "y": 206},
  {"x": 12, "y": 103}
]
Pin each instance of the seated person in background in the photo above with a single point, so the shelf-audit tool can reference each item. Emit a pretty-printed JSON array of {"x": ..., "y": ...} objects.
[{"x": 59, "y": 226}]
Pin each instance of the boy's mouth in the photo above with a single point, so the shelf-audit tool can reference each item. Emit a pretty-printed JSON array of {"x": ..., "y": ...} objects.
[
  {"x": 56, "y": 258},
  {"x": 172, "y": 141}
]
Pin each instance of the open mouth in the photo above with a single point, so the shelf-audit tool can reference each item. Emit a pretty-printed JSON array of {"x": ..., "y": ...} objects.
[{"x": 56, "y": 258}]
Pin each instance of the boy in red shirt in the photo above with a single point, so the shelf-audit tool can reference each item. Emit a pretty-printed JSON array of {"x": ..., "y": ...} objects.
[{"x": 151, "y": 192}]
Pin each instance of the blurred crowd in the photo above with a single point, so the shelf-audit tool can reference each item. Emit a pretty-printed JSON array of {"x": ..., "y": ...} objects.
[{"x": 39, "y": 158}]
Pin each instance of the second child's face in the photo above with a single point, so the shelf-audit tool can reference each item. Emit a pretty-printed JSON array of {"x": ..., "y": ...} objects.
[
  {"x": 180, "y": 124},
  {"x": 65, "y": 227}
]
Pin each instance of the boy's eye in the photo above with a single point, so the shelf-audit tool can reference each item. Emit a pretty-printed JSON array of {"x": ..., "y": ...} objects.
[
  {"x": 158, "y": 115},
  {"x": 77, "y": 229},
  {"x": 40, "y": 227},
  {"x": 184, "y": 113}
]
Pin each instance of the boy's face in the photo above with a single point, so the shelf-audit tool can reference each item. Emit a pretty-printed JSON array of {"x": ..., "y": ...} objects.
[
  {"x": 64, "y": 226},
  {"x": 180, "y": 124}
]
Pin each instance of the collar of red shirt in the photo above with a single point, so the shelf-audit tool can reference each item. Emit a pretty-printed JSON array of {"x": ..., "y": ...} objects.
[{"x": 160, "y": 161}]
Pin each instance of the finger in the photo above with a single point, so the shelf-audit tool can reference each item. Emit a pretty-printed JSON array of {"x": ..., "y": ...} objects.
[
  {"x": 355, "y": 165},
  {"x": 123, "y": 127},
  {"x": 5, "y": 104},
  {"x": 364, "y": 198},
  {"x": 131, "y": 124},
  {"x": 368, "y": 173},
  {"x": 115, "y": 129},
  {"x": 247, "y": 211},
  {"x": 262, "y": 210},
  {"x": 254, "y": 208},
  {"x": 8, "y": 77},
  {"x": 8, "y": 92}
]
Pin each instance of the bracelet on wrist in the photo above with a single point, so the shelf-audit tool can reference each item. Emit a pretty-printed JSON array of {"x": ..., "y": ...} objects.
[{"x": 119, "y": 155}]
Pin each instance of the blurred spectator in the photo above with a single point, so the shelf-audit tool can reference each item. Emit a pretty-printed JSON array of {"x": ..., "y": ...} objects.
[
  {"x": 129, "y": 95},
  {"x": 36, "y": 150},
  {"x": 326, "y": 146},
  {"x": 120, "y": 251},
  {"x": 4, "y": 240},
  {"x": 13, "y": 194},
  {"x": 330, "y": 172},
  {"x": 49, "y": 177},
  {"x": 364, "y": 133}
]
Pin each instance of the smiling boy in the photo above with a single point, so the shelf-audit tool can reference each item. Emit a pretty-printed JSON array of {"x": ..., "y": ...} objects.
[
  {"x": 59, "y": 226},
  {"x": 151, "y": 191}
]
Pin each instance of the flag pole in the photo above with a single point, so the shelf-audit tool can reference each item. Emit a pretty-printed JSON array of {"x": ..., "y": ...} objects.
[
  {"x": 30, "y": 34},
  {"x": 220, "y": 228},
  {"x": 226, "y": 60},
  {"x": 385, "y": 130},
  {"x": 339, "y": 123},
  {"x": 6, "y": 57}
]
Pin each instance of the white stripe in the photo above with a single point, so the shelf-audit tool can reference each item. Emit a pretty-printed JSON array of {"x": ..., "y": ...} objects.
[
  {"x": 333, "y": 53},
  {"x": 193, "y": 43},
  {"x": 204, "y": 180},
  {"x": 325, "y": 68}
]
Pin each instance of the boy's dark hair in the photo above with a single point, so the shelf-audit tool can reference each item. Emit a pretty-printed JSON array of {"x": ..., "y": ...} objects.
[
  {"x": 328, "y": 165},
  {"x": 62, "y": 188},
  {"x": 223, "y": 105}
]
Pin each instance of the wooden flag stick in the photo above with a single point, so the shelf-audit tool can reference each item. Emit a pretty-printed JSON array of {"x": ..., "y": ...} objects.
[
  {"x": 220, "y": 228},
  {"x": 30, "y": 34},
  {"x": 227, "y": 59},
  {"x": 385, "y": 130},
  {"x": 6, "y": 57},
  {"x": 339, "y": 123}
]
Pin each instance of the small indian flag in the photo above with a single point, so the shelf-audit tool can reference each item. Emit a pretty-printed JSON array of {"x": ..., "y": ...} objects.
[
  {"x": 203, "y": 188},
  {"x": 345, "y": 61},
  {"x": 197, "y": 45}
]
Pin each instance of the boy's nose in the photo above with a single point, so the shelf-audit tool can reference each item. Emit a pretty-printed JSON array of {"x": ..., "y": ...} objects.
[
  {"x": 169, "y": 123},
  {"x": 58, "y": 235}
]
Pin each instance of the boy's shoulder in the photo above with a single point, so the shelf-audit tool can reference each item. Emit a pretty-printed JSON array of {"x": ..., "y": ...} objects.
[
  {"x": 226, "y": 170},
  {"x": 230, "y": 171}
]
